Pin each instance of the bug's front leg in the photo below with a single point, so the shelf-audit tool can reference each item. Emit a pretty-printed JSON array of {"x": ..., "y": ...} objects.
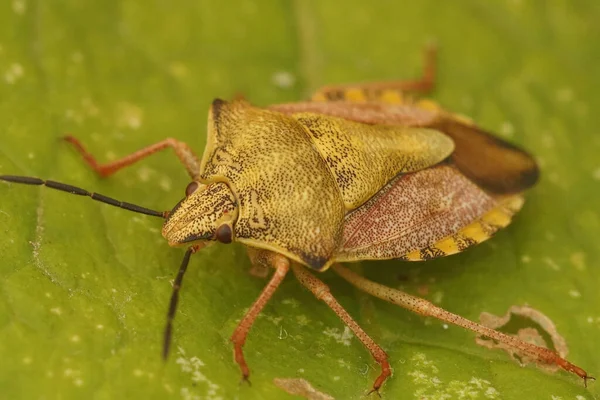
[
  {"x": 321, "y": 292},
  {"x": 281, "y": 265},
  {"x": 185, "y": 154}
]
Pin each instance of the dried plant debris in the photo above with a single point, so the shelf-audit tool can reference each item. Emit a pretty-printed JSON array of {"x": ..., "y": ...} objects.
[
  {"x": 527, "y": 334},
  {"x": 301, "y": 387}
]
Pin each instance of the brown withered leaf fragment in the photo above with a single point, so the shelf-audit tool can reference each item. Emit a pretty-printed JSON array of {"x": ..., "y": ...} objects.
[
  {"x": 301, "y": 387},
  {"x": 528, "y": 334}
]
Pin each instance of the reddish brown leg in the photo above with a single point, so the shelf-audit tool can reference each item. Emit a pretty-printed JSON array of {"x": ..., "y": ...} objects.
[
  {"x": 182, "y": 151},
  {"x": 281, "y": 265},
  {"x": 424, "y": 307},
  {"x": 321, "y": 292},
  {"x": 422, "y": 85}
]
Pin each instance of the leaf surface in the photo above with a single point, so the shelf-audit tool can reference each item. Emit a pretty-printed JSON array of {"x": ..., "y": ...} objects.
[{"x": 84, "y": 287}]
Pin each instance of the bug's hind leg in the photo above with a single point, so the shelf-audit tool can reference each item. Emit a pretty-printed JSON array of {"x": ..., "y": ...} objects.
[
  {"x": 420, "y": 306},
  {"x": 391, "y": 92},
  {"x": 281, "y": 265},
  {"x": 182, "y": 151},
  {"x": 321, "y": 292}
]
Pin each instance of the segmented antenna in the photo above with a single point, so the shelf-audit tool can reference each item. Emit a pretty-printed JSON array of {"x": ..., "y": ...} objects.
[
  {"x": 27, "y": 180},
  {"x": 175, "y": 300}
]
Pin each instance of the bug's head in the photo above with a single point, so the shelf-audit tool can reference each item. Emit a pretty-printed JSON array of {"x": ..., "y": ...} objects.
[{"x": 207, "y": 213}]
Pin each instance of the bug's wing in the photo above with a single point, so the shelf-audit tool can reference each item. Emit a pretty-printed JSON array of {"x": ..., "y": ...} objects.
[
  {"x": 364, "y": 157},
  {"x": 431, "y": 213},
  {"x": 494, "y": 164}
]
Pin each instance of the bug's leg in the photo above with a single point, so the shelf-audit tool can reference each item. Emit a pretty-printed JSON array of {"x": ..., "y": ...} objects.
[
  {"x": 426, "y": 308},
  {"x": 281, "y": 265},
  {"x": 321, "y": 292},
  {"x": 386, "y": 92},
  {"x": 182, "y": 151}
]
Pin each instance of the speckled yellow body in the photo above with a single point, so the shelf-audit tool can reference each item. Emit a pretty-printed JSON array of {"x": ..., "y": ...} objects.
[
  {"x": 352, "y": 175},
  {"x": 295, "y": 177}
]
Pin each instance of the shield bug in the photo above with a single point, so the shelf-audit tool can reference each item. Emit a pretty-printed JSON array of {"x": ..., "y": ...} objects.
[{"x": 360, "y": 172}]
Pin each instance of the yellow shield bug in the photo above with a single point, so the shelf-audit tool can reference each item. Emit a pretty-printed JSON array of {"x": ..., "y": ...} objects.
[{"x": 360, "y": 172}]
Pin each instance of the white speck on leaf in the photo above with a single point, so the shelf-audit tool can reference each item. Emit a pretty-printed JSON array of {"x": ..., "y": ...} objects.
[
  {"x": 56, "y": 310},
  {"x": 437, "y": 297},
  {"x": 431, "y": 387},
  {"x": 574, "y": 293},
  {"x": 507, "y": 129},
  {"x": 178, "y": 70},
  {"x": 565, "y": 95},
  {"x": 344, "y": 364},
  {"x": 75, "y": 375},
  {"x": 19, "y": 7},
  {"x": 548, "y": 140},
  {"x": 343, "y": 337},
  {"x": 193, "y": 366},
  {"x": 13, "y": 73},
  {"x": 578, "y": 261},
  {"x": 291, "y": 302},
  {"x": 76, "y": 57},
  {"x": 165, "y": 184},
  {"x": 274, "y": 320},
  {"x": 144, "y": 173},
  {"x": 89, "y": 107},
  {"x": 129, "y": 116},
  {"x": 552, "y": 264},
  {"x": 283, "y": 79},
  {"x": 596, "y": 174}
]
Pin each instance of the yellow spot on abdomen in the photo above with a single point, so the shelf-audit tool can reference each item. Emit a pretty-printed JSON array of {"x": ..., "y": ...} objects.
[
  {"x": 428, "y": 105},
  {"x": 475, "y": 232},
  {"x": 392, "y": 97},
  {"x": 414, "y": 256},
  {"x": 448, "y": 246},
  {"x": 319, "y": 97},
  {"x": 497, "y": 217},
  {"x": 355, "y": 95}
]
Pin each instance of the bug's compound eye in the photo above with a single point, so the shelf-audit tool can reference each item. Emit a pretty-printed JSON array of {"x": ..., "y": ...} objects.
[
  {"x": 191, "y": 188},
  {"x": 224, "y": 234}
]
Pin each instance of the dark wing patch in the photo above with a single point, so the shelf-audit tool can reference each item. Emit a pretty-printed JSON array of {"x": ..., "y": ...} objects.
[{"x": 492, "y": 163}]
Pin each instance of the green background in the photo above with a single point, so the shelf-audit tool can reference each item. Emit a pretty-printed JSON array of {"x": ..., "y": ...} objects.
[{"x": 85, "y": 287}]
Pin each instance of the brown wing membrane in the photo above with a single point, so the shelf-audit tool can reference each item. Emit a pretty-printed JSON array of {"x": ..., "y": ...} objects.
[
  {"x": 414, "y": 212},
  {"x": 495, "y": 165}
]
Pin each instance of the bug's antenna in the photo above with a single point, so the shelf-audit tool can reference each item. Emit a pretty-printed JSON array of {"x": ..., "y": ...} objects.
[
  {"x": 174, "y": 300},
  {"x": 27, "y": 180}
]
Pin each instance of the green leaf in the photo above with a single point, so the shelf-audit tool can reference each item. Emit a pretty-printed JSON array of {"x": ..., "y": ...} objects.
[{"x": 85, "y": 287}]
